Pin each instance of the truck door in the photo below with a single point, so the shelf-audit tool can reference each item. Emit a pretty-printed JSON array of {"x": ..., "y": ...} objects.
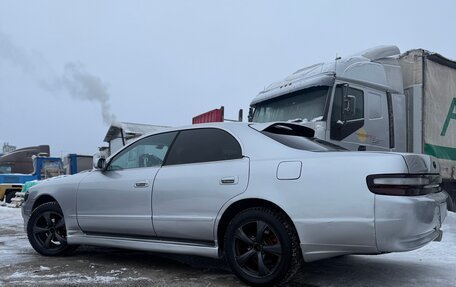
[{"x": 359, "y": 118}]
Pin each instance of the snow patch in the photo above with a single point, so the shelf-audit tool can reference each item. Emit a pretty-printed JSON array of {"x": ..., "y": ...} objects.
[{"x": 44, "y": 268}]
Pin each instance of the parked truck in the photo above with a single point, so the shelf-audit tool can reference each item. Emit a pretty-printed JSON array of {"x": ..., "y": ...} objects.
[
  {"x": 377, "y": 100},
  {"x": 43, "y": 167}
]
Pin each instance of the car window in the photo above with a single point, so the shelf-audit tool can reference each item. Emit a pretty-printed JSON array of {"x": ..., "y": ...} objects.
[
  {"x": 147, "y": 152},
  {"x": 203, "y": 145}
]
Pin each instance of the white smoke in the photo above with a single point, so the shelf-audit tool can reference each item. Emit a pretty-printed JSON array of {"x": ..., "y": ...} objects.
[{"x": 74, "y": 80}]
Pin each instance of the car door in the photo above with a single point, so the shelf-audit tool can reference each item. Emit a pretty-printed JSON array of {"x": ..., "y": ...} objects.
[
  {"x": 118, "y": 199},
  {"x": 204, "y": 169}
]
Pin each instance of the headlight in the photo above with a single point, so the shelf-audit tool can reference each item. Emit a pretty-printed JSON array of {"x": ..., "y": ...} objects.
[{"x": 404, "y": 184}]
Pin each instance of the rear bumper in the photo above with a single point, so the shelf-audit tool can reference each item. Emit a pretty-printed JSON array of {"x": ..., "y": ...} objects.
[{"x": 405, "y": 223}]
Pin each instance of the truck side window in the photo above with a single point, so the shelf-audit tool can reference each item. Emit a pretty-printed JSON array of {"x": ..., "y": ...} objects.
[
  {"x": 375, "y": 105},
  {"x": 347, "y": 114}
]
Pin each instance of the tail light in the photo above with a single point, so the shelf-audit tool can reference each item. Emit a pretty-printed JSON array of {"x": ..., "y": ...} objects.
[{"x": 404, "y": 184}]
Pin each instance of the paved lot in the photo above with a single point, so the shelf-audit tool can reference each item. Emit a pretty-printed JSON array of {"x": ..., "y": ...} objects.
[{"x": 433, "y": 265}]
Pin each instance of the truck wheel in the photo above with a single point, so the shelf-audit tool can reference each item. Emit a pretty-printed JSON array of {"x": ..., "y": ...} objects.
[
  {"x": 9, "y": 195},
  {"x": 262, "y": 247},
  {"x": 46, "y": 230}
]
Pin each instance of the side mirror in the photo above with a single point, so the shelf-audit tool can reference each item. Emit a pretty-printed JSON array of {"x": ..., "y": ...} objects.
[{"x": 99, "y": 162}]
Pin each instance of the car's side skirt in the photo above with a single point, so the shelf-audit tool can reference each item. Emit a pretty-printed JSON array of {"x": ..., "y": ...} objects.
[
  {"x": 153, "y": 245},
  {"x": 312, "y": 252}
]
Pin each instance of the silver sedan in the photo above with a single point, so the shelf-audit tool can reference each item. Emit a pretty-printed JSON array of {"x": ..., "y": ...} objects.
[{"x": 268, "y": 197}]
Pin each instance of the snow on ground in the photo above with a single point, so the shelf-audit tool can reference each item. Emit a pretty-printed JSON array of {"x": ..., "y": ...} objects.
[
  {"x": 432, "y": 265},
  {"x": 12, "y": 236},
  {"x": 10, "y": 217}
]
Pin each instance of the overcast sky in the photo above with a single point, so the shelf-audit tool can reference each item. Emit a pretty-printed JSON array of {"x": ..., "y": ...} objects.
[{"x": 164, "y": 62}]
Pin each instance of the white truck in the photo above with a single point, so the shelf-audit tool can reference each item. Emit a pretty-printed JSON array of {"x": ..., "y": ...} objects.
[{"x": 377, "y": 100}]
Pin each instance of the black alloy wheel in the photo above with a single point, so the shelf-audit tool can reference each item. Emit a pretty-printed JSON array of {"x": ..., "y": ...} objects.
[
  {"x": 262, "y": 247},
  {"x": 257, "y": 248},
  {"x": 46, "y": 230}
]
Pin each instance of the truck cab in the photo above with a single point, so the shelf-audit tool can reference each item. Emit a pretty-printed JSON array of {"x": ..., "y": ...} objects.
[{"x": 349, "y": 102}]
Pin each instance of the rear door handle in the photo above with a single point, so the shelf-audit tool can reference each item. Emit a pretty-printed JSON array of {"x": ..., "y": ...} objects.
[
  {"x": 229, "y": 180},
  {"x": 142, "y": 183}
]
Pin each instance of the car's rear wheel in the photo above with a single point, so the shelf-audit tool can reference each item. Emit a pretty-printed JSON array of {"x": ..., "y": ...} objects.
[
  {"x": 46, "y": 230},
  {"x": 262, "y": 247}
]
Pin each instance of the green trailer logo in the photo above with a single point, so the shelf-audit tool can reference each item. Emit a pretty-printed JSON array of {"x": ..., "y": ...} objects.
[
  {"x": 444, "y": 152},
  {"x": 451, "y": 116}
]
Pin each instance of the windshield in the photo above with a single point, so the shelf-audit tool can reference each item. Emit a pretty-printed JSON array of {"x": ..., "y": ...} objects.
[{"x": 304, "y": 105}]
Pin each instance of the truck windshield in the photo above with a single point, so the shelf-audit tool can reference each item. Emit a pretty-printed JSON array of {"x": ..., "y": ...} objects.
[
  {"x": 304, "y": 105},
  {"x": 51, "y": 168}
]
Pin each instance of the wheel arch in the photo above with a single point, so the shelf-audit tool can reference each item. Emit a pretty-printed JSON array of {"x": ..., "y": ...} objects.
[
  {"x": 45, "y": 198},
  {"x": 239, "y": 206}
]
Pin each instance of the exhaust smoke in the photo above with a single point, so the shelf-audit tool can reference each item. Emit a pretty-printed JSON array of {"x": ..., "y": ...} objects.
[{"x": 74, "y": 80}]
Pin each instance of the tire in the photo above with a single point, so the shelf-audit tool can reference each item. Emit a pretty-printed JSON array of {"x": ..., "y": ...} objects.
[
  {"x": 46, "y": 231},
  {"x": 262, "y": 247},
  {"x": 9, "y": 195}
]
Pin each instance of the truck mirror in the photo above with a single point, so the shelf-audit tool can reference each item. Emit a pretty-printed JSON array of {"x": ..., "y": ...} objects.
[{"x": 349, "y": 106}]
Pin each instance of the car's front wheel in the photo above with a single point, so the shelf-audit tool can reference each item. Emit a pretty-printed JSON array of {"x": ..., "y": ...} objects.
[
  {"x": 262, "y": 247},
  {"x": 46, "y": 230}
]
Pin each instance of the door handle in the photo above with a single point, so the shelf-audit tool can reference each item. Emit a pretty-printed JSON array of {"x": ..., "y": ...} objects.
[
  {"x": 142, "y": 183},
  {"x": 229, "y": 180}
]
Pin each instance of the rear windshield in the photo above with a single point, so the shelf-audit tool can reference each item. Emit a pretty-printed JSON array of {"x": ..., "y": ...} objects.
[{"x": 290, "y": 137}]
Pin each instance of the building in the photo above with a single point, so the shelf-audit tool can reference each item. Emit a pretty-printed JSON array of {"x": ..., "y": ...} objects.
[{"x": 122, "y": 133}]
